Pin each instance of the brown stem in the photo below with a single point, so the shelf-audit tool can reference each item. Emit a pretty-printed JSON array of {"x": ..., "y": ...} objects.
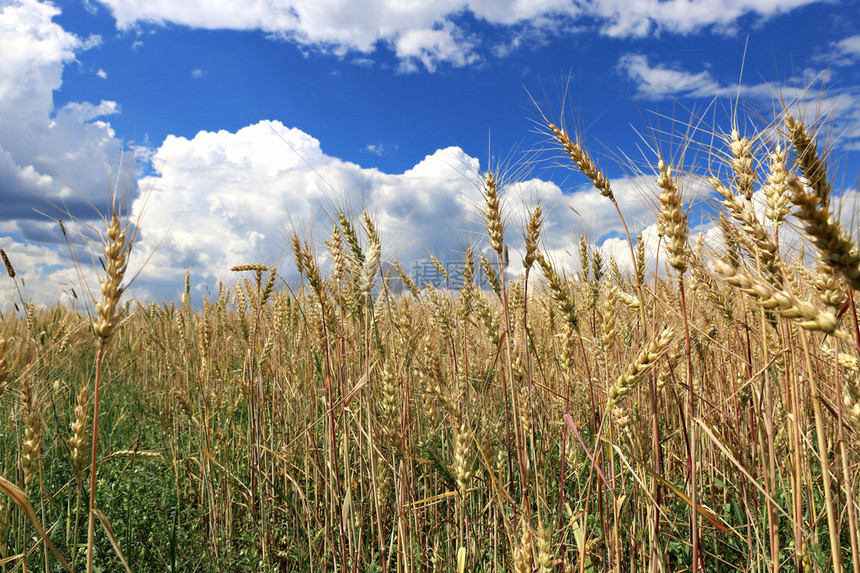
[
  {"x": 91, "y": 528},
  {"x": 694, "y": 494},
  {"x": 832, "y": 525}
]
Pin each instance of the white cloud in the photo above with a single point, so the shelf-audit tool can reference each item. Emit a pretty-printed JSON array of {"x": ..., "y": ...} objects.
[
  {"x": 43, "y": 273},
  {"x": 47, "y": 154},
  {"x": 638, "y": 18},
  {"x": 808, "y": 94},
  {"x": 92, "y": 41},
  {"x": 376, "y": 149},
  {"x": 198, "y": 73},
  {"x": 667, "y": 81},
  {"x": 34, "y": 52},
  {"x": 238, "y": 196},
  {"x": 661, "y": 81},
  {"x": 427, "y": 32},
  {"x": 430, "y": 47},
  {"x": 846, "y": 51},
  {"x": 44, "y": 150},
  {"x": 850, "y": 45},
  {"x": 102, "y": 74},
  {"x": 221, "y": 199}
]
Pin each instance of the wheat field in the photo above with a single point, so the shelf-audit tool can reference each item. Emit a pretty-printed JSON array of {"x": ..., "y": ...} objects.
[{"x": 697, "y": 410}]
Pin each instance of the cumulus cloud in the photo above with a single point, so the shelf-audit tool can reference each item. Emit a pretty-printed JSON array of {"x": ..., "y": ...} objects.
[
  {"x": 429, "y": 32},
  {"x": 61, "y": 155},
  {"x": 223, "y": 198},
  {"x": 44, "y": 276},
  {"x": 52, "y": 160},
  {"x": 226, "y": 198},
  {"x": 670, "y": 80}
]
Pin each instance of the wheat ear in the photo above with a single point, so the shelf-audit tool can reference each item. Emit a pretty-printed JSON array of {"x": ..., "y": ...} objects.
[
  {"x": 79, "y": 435},
  {"x": 116, "y": 252},
  {"x": 32, "y": 446},
  {"x": 559, "y": 292},
  {"x": 768, "y": 252},
  {"x": 814, "y": 168},
  {"x": 782, "y": 301},
  {"x": 10, "y": 270},
  {"x": 576, "y": 151},
  {"x": 836, "y": 249},
  {"x": 742, "y": 164},
  {"x": 673, "y": 218},
  {"x": 493, "y": 214},
  {"x": 532, "y": 236},
  {"x": 625, "y": 383}
]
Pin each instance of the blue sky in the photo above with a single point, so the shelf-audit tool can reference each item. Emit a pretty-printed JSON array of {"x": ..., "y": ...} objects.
[{"x": 254, "y": 119}]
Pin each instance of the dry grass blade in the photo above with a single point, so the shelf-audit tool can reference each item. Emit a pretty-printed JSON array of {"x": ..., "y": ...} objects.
[
  {"x": 709, "y": 431},
  {"x": 20, "y": 498},
  {"x": 569, "y": 421},
  {"x": 701, "y": 509},
  {"x": 109, "y": 531}
]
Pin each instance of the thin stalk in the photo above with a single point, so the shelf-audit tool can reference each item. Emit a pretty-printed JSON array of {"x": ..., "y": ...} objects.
[
  {"x": 832, "y": 526},
  {"x": 694, "y": 493},
  {"x": 91, "y": 527},
  {"x": 847, "y": 475}
]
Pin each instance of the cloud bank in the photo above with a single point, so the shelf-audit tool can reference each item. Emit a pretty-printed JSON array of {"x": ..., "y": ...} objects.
[
  {"x": 51, "y": 160},
  {"x": 225, "y": 198},
  {"x": 57, "y": 154},
  {"x": 431, "y": 32}
]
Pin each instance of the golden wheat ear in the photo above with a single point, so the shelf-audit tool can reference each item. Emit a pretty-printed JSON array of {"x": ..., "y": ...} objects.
[
  {"x": 78, "y": 440},
  {"x": 493, "y": 214},
  {"x": 836, "y": 249},
  {"x": 646, "y": 359},
  {"x": 31, "y": 448},
  {"x": 785, "y": 303},
  {"x": 532, "y": 236},
  {"x": 673, "y": 218},
  {"x": 116, "y": 250},
  {"x": 583, "y": 161}
]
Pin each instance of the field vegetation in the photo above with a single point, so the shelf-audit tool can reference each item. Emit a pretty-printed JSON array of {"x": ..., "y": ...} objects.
[{"x": 697, "y": 410}]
